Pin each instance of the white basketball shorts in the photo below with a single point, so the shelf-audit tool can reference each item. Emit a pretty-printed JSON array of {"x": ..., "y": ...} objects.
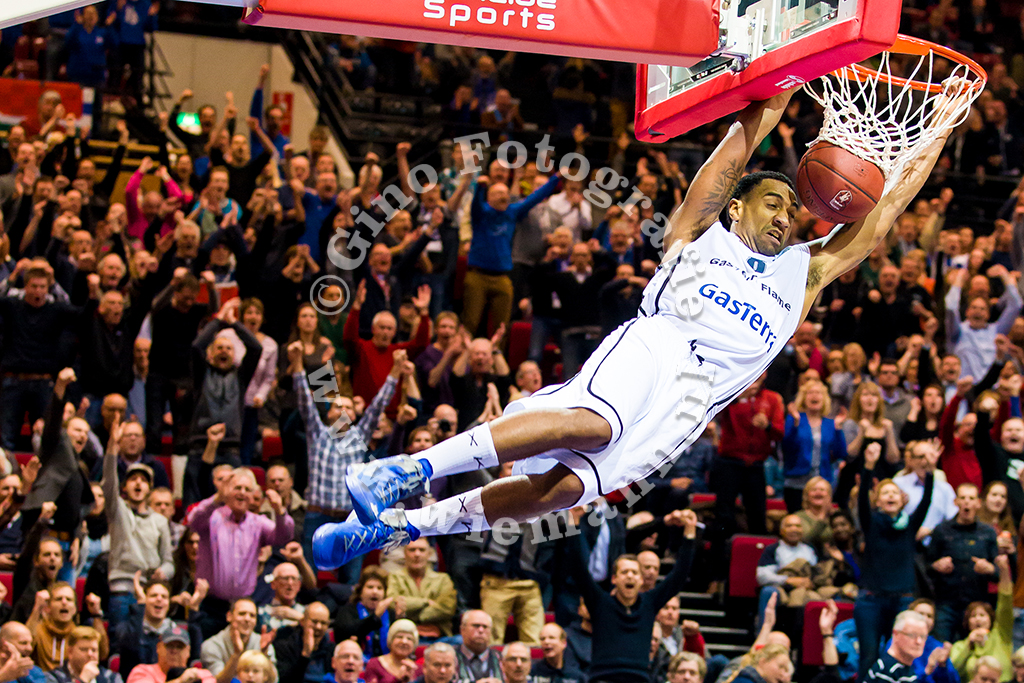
[{"x": 645, "y": 380}]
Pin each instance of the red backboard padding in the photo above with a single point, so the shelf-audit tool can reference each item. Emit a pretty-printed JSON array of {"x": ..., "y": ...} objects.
[
  {"x": 677, "y": 32},
  {"x": 872, "y": 30}
]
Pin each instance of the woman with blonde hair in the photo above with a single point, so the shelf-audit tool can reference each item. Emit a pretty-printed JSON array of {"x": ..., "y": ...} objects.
[
  {"x": 255, "y": 667},
  {"x": 816, "y": 512},
  {"x": 811, "y": 444},
  {"x": 866, "y": 425},
  {"x": 770, "y": 664},
  {"x": 1017, "y": 661},
  {"x": 397, "y": 666}
]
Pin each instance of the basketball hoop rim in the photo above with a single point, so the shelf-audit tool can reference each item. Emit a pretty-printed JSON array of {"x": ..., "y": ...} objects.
[{"x": 909, "y": 45}]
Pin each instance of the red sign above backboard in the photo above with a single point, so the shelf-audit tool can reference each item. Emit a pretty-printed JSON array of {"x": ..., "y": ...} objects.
[{"x": 677, "y": 32}]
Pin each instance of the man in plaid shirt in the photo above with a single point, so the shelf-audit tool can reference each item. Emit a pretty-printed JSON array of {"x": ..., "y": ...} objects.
[{"x": 332, "y": 447}]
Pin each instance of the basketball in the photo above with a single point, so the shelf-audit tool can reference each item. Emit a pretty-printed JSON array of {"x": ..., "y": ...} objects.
[{"x": 837, "y": 185}]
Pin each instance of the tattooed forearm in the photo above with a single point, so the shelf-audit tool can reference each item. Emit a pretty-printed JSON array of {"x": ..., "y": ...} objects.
[{"x": 720, "y": 193}]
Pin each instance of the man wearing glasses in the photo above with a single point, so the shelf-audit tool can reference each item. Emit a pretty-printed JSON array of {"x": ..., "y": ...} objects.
[
  {"x": 283, "y": 610},
  {"x": 909, "y": 634}
]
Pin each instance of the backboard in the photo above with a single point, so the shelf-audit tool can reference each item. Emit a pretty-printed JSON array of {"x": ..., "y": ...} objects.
[{"x": 765, "y": 47}]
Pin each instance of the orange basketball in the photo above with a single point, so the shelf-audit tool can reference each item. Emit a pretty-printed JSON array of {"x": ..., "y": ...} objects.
[{"x": 837, "y": 185}]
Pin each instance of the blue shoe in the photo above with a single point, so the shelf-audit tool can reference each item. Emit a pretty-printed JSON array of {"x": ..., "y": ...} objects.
[
  {"x": 335, "y": 545},
  {"x": 379, "y": 484}
]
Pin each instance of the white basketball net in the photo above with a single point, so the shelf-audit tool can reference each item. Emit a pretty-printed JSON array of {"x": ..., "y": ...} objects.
[{"x": 888, "y": 124}]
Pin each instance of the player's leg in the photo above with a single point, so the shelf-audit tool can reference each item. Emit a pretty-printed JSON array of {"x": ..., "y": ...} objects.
[
  {"x": 384, "y": 482},
  {"x": 519, "y": 498}
]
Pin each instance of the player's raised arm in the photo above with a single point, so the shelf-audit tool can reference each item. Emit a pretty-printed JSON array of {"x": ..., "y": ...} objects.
[
  {"x": 713, "y": 185},
  {"x": 855, "y": 241}
]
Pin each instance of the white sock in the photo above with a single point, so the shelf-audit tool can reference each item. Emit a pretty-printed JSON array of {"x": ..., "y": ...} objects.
[
  {"x": 461, "y": 514},
  {"x": 465, "y": 452}
]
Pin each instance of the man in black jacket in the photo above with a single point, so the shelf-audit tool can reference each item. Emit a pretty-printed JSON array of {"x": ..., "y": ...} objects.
[
  {"x": 220, "y": 395},
  {"x": 32, "y": 348},
  {"x": 578, "y": 288},
  {"x": 60, "y": 479},
  {"x": 1002, "y": 461},
  {"x": 304, "y": 652},
  {"x": 962, "y": 555},
  {"x": 175, "y": 320},
  {"x": 623, "y": 620},
  {"x": 107, "y": 337}
]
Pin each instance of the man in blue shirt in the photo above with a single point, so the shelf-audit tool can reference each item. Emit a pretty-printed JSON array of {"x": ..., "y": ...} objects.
[
  {"x": 316, "y": 207},
  {"x": 909, "y": 634},
  {"x": 86, "y": 46},
  {"x": 272, "y": 118},
  {"x": 494, "y": 219},
  {"x": 130, "y": 20}
]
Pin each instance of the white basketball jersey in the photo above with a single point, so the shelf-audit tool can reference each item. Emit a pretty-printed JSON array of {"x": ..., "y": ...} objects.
[{"x": 735, "y": 307}]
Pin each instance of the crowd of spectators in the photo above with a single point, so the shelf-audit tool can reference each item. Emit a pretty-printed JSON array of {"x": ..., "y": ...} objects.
[{"x": 186, "y": 316}]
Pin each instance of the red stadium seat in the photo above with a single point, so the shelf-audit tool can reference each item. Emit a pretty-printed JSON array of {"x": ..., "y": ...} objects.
[
  {"x": 745, "y": 554},
  {"x": 166, "y": 461},
  {"x": 518, "y": 343},
  {"x": 812, "y": 641},
  {"x": 166, "y": 446},
  {"x": 371, "y": 558},
  {"x": 80, "y": 591},
  {"x": 324, "y": 577},
  {"x": 536, "y": 653},
  {"x": 115, "y": 663},
  {"x": 703, "y": 499},
  {"x": 7, "y": 579},
  {"x": 23, "y": 458},
  {"x": 272, "y": 448},
  {"x": 776, "y": 505},
  {"x": 549, "y": 617},
  {"x": 227, "y": 291},
  {"x": 26, "y": 64},
  {"x": 419, "y": 651},
  {"x": 261, "y": 475}
]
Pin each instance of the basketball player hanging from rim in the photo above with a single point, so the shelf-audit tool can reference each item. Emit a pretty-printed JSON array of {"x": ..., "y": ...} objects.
[{"x": 724, "y": 302}]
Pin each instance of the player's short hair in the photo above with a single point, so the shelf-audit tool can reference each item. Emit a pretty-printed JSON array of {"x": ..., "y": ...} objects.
[{"x": 748, "y": 182}]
